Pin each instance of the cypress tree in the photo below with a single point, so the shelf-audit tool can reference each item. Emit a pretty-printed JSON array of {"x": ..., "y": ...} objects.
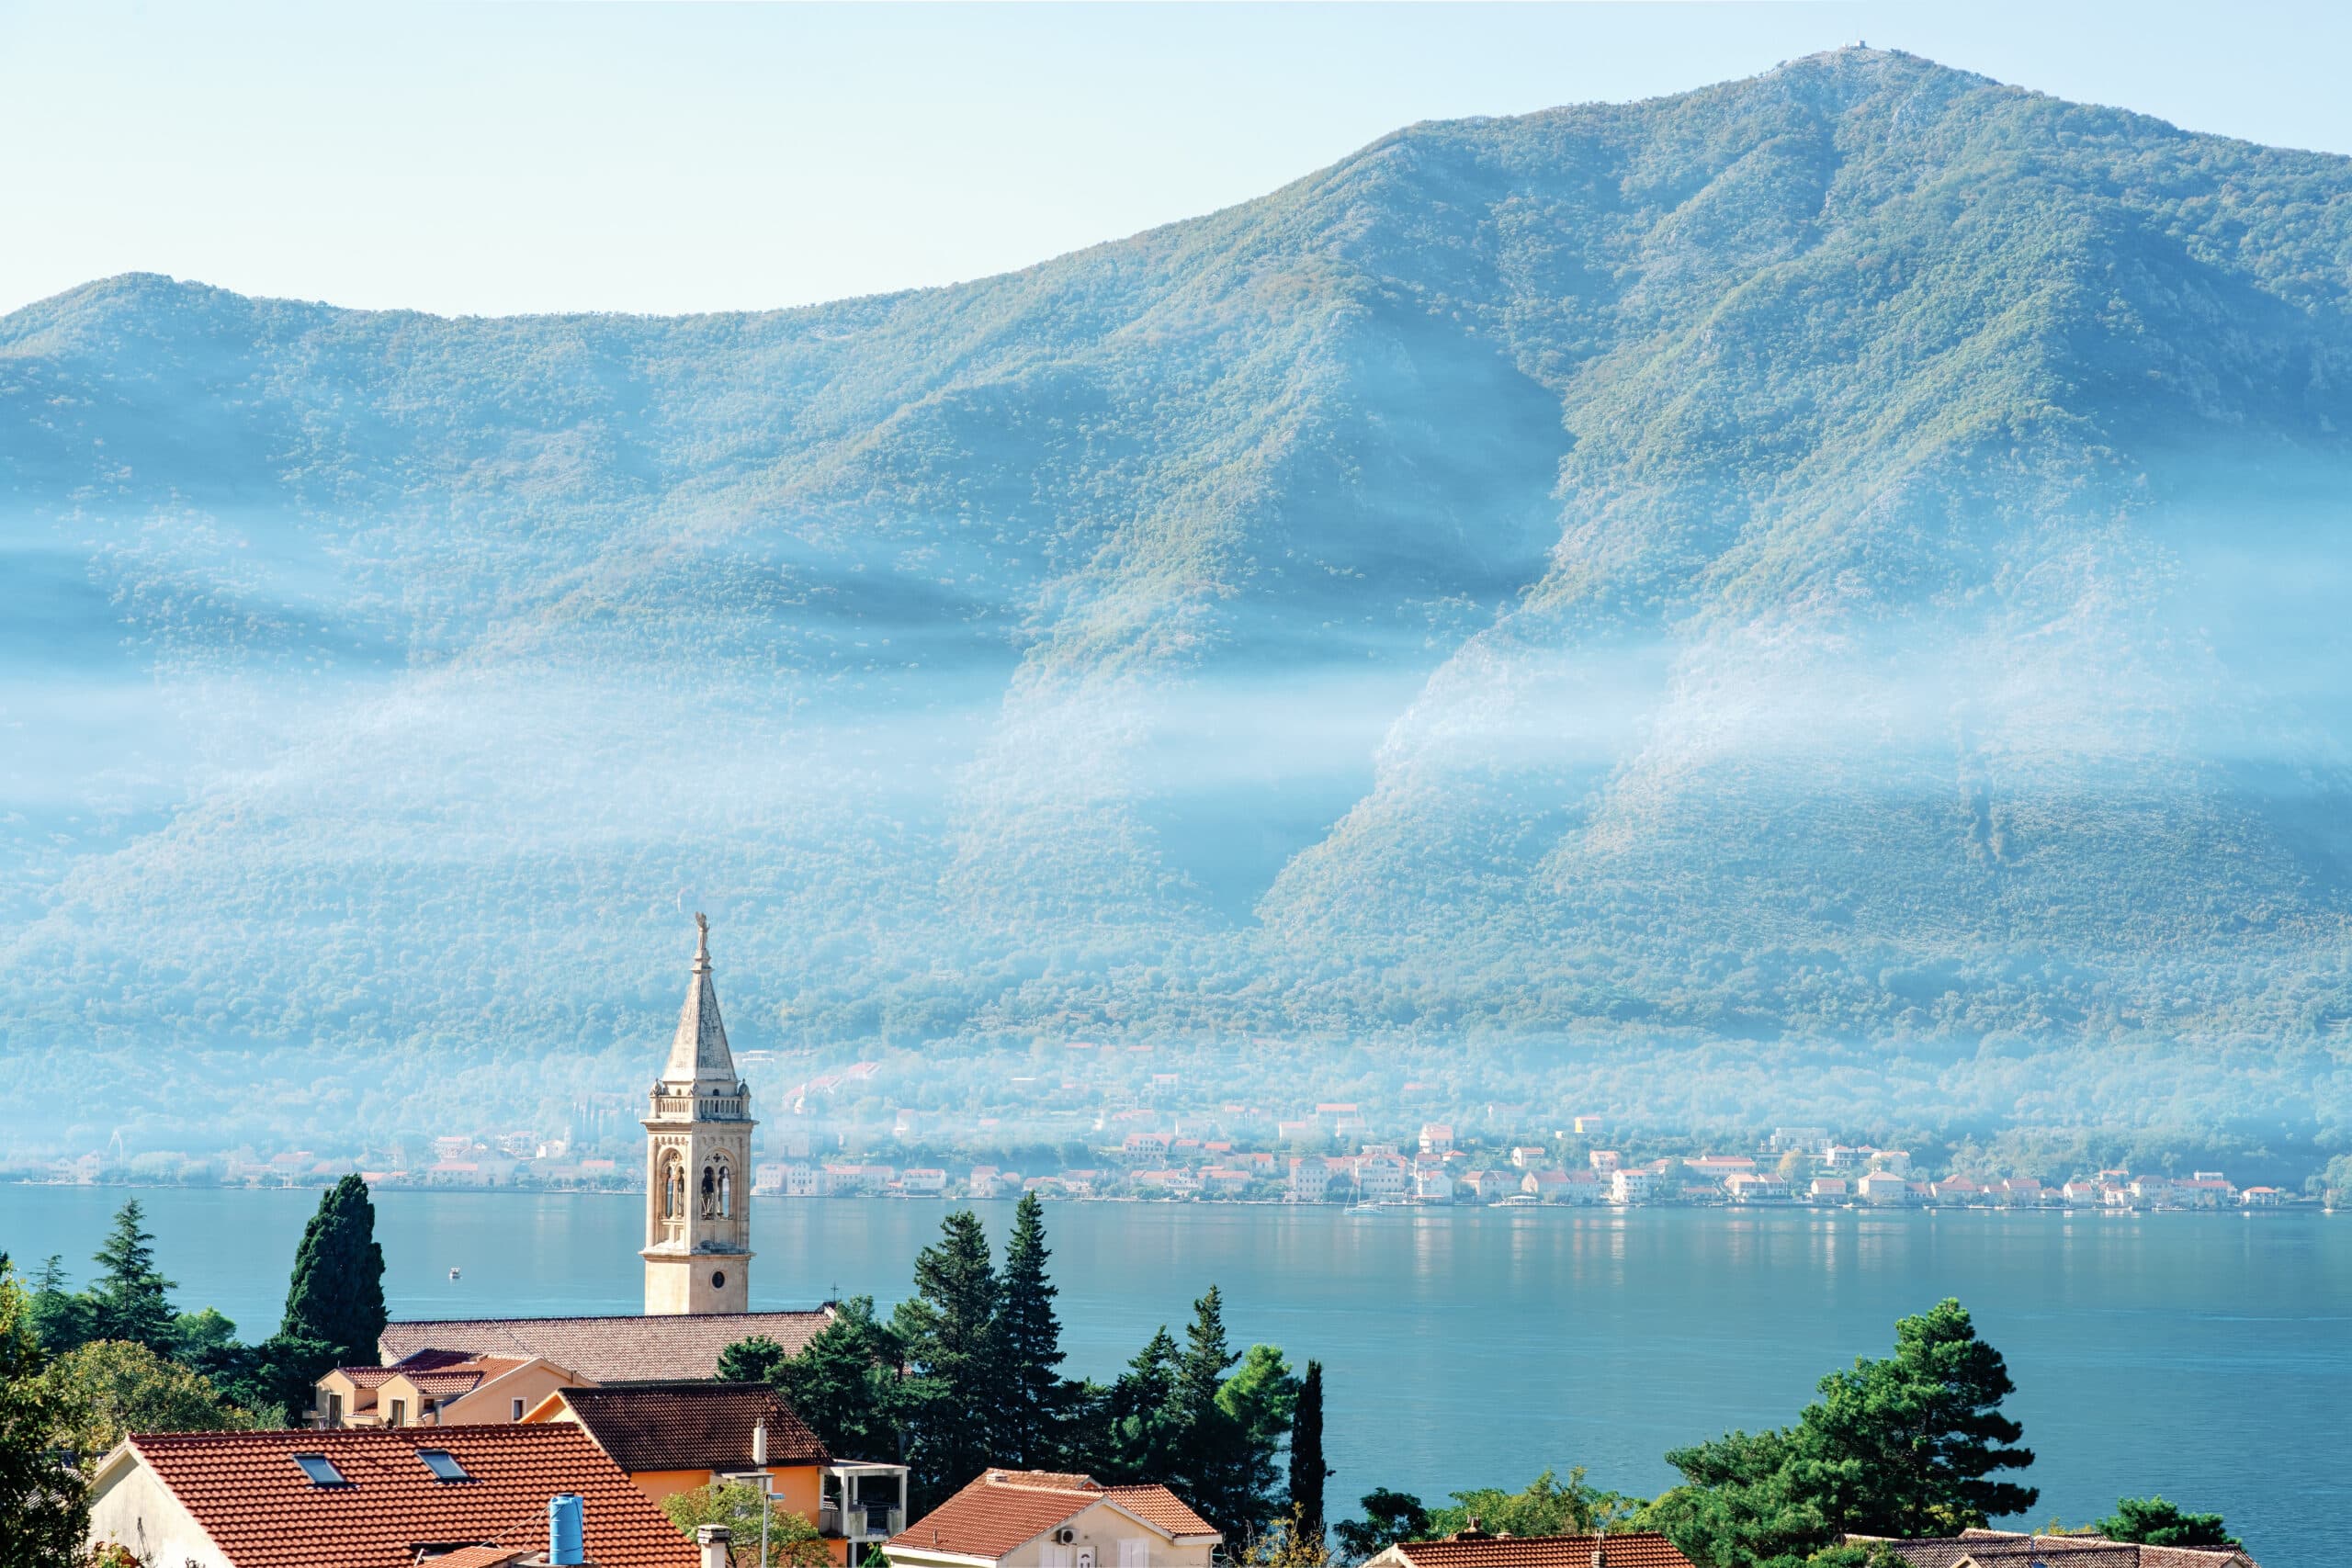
[
  {"x": 949, "y": 1332},
  {"x": 1308, "y": 1470},
  {"x": 1029, "y": 1337},
  {"x": 130, "y": 1299},
  {"x": 1210, "y": 1457},
  {"x": 336, "y": 1296}
]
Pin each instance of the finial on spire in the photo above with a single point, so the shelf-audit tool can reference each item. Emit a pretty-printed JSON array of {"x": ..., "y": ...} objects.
[{"x": 702, "y": 941}]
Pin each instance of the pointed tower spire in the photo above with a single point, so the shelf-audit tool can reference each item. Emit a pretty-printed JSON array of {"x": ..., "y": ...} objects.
[{"x": 698, "y": 1053}]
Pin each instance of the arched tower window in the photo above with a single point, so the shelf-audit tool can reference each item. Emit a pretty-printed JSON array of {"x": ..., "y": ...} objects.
[
  {"x": 674, "y": 1187},
  {"x": 726, "y": 1193},
  {"x": 709, "y": 1193}
]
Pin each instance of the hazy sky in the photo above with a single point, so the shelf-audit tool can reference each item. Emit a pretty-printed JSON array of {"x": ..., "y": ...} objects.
[{"x": 536, "y": 157}]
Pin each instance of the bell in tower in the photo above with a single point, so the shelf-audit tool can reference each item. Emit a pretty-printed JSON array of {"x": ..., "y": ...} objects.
[{"x": 698, "y": 1164}]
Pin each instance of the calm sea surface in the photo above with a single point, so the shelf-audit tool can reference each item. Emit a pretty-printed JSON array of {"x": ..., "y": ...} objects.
[{"x": 2208, "y": 1358}]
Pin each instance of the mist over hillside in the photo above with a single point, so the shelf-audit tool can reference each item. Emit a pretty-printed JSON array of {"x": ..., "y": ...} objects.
[{"x": 1842, "y": 567}]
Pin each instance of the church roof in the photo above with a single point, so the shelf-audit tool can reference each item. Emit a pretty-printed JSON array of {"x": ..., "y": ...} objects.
[
  {"x": 610, "y": 1349},
  {"x": 698, "y": 1053}
]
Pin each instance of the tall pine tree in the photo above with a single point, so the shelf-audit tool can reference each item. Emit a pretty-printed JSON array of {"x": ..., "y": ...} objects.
[
  {"x": 1030, "y": 1429},
  {"x": 1308, "y": 1470},
  {"x": 130, "y": 1299},
  {"x": 1212, "y": 1463},
  {"x": 336, "y": 1296},
  {"x": 44, "y": 1504},
  {"x": 949, "y": 1332},
  {"x": 845, "y": 1383}
]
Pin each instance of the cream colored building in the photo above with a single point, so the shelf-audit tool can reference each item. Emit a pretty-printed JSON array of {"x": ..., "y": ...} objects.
[
  {"x": 437, "y": 1388},
  {"x": 1027, "y": 1519},
  {"x": 698, "y": 1164}
]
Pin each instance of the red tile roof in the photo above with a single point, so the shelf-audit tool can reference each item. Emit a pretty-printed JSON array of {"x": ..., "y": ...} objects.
[
  {"x": 250, "y": 1497},
  {"x": 1004, "y": 1508},
  {"x": 1544, "y": 1551},
  {"x": 691, "y": 1426},
  {"x": 2011, "y": 1549},
  {"x": 609, "y": 1350}
]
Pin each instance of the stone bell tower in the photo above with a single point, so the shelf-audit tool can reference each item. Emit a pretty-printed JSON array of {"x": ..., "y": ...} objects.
[{"x": 698, "y": 1164}]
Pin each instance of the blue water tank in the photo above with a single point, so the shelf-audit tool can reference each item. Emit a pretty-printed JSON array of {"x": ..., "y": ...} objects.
[{"x": 566, "y": 1528}]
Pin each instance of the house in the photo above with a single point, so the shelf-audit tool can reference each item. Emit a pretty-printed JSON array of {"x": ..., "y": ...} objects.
[
  {"x": 1590, "y": 1126},
  {"x": 2082, "y": 1193},
  {"x": 2262, "y": 1198},
  {"x": 1432, "y": 1185},
  {"x": 1583, "y": 1187},
  {"x": 1882, "y": 1187},
  {"x": 1436, "y": 1137},
  {"x": 1310, "y": 1178},
  {"x": 1029, "y": 1518},
  {"x": 1829, "y": 1190},
  {"x": 1956, "y": 1190},
  {"x": 1486, "y": 1186},
  {"x": 1717, "y": 1167},
  {"x": 2009, "y": 1549},
  {"x": 1603, "y": 1161},
  {"x": 1382, "y": 1175},
  {"x": 1474, "y": 1548},
  {"x": 1544, "y": 1186},
  {"x": 1747, "y": 1188},
  {"x": 375, "y": 1497},
  {"x": 926, "y": 1182},
  {"x": 2205, "y": 1189},
  {"x": 2016, "y": 1192},
  {"x": 1225, "y": 1178},
  {"x": 1629, "y": 1186},
  {"x": 674, "y": 1437},
  {"x": 436, "y": 1387},
  {"x": 607, "y": 1349},
  {"x": 1528, "y": 1157},
  {"x": 1146, "y": 1143}
]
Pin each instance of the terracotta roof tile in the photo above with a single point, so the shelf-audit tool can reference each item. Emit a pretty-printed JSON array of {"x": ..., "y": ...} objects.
[
  {"x": 1545, "y": 1551},
  {"x": 2009, "y": 1549},
  {"x": 1004, "y": 1508},
  {"x": 246, "y": 1491},
  {"x": 1159, "y": 1506},
  {"x": 691, "y": 1426},
  {"x": 609, "y": 1350}
]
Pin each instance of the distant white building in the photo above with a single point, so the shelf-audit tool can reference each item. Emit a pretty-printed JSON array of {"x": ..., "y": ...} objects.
[
  {"x": 1603, "y": 1161},
  {"x": 1310, "y": 1179},
  {"x": 1629, "y": 1186},
  {"x": 1432, "y": 1185}
]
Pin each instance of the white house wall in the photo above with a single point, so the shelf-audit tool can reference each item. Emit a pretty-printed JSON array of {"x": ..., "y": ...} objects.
[{"x": 133, "y": 1509}]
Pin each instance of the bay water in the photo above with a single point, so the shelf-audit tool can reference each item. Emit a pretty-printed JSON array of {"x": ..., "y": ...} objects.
[{"x": 2204, "y": 1357}]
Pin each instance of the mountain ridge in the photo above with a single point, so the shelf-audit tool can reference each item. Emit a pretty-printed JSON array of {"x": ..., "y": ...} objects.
[{"x": 1838, "y": 556}]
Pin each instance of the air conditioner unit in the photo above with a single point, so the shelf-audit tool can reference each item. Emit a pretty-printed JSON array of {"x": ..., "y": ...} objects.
[{"x": 1064, "y": 1537}]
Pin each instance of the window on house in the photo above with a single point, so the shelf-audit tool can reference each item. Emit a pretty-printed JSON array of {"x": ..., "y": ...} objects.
[
  {"x": 1134, "y": 1554},
  {"x": 518, "y": 1415},
  {"x": 321, "y": 1471},
  {"x": 334, "y": 1410},
  {"x": 442, "y": 1464},
  {"x": 399, "y": 1418}
]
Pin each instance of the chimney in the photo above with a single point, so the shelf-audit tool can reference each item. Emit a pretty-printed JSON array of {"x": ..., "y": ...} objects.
[
  {"x": 567, "y": 1530},
  {"x": 760, "y": 1447},
  {"x": 1600, "y": 1556},
  {"x": 715, "y": 1542}
]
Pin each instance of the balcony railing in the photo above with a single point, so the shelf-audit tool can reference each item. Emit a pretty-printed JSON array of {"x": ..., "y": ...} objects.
[
  {"x": 867, "y": 1521},
  {"x": 702, "y": 1107}
]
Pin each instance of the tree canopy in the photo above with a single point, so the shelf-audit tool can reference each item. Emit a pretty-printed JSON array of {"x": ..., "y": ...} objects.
[
  {"x": 2155, "y": 1522},
  {"x": 336, "y": 1296}
]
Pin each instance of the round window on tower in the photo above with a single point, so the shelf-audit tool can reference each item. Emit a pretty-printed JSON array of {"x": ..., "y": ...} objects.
[{"x": 718, "y": 1278}]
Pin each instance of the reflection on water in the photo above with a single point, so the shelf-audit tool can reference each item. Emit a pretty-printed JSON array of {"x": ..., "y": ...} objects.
[{"x": 2205, "y": 1357}]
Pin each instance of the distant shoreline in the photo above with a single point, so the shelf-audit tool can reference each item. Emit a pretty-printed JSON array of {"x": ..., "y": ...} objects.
[{"x": 1769, "y": 1206}]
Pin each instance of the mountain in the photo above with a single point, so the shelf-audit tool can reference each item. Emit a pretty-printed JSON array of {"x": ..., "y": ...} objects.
[{"x": 1844, "y": 566}]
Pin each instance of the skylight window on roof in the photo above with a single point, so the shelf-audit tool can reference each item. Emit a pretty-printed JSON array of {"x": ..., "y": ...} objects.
[
  {"x": 442, "y": 1464},
  {"x": 321, "y": 1470}
]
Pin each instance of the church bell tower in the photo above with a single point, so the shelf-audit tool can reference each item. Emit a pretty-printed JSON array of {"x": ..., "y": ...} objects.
[{"x": 698, "y": 1164}]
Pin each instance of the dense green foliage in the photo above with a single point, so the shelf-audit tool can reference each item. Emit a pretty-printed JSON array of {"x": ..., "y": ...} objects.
[
  {"x": 1389, "y": 1517},
  {"x": 756, "y": 1360},
  {"x": 1308, "y": 1469},
  {"x": 2155, "y": 1522},
  {"x": 131, "y": 1300},
  {"x": 1908, "y": 1445},
  {"x": 108, "y": 1388},
  {"x": 336, "y": 1294},
  {"x": 845, "y": 1385},
  {"x": 1034, "y": 1399},
  {"x": 792, "y": 1539},
  {"x": 950, "y": 1334},
  {"x": 1546, "y": 1505},
  {"x": 44, "y": 1504}
]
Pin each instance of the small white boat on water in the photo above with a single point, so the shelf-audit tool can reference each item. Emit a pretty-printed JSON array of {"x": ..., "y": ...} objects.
[{"x": 452, "y": 1273}]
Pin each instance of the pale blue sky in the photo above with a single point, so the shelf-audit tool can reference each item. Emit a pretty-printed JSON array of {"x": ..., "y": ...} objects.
[{"x": 536, "y": 157}]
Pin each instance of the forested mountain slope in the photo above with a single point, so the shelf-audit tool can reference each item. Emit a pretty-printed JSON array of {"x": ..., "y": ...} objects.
[{"x": 1852, "y": 556}]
